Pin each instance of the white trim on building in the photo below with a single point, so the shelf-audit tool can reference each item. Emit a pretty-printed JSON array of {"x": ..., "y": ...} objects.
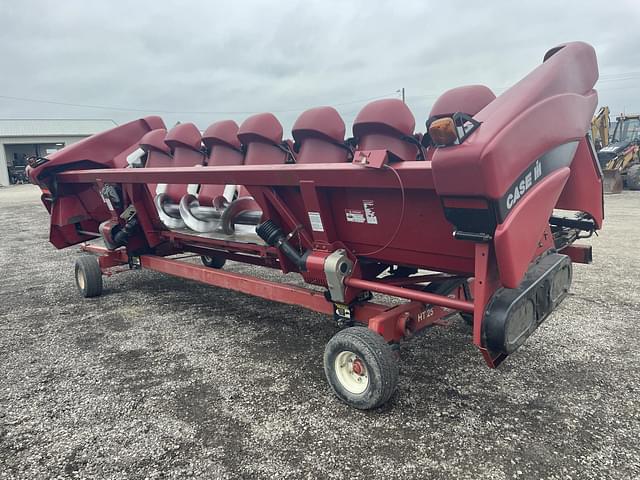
[{"x": 43, "y": 132}]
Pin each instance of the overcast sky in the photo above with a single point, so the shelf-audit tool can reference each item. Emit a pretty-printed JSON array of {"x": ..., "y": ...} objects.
[{"x": 210, "y": 60}]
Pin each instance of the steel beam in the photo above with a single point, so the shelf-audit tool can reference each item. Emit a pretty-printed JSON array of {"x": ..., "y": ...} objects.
[
  {"x": 257, "y": 287},
  {"x": 424, "y": 297}
]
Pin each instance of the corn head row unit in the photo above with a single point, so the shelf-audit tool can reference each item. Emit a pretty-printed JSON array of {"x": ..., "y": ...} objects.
[{"x": 478, "y": 216}]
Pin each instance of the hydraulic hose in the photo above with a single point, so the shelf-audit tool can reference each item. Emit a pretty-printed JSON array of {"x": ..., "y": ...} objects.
[{"x": 273, "y": 235}]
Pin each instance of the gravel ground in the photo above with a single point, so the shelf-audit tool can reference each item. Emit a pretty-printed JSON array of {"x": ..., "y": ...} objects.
[{"x": 165, "y": 378}]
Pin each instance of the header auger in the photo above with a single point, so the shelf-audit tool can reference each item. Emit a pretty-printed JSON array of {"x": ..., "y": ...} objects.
[{"x": 461, "y": 219}]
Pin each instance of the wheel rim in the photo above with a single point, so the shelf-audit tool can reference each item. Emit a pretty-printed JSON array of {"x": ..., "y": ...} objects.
[
  {"x": 351, "y": 372},
  {"x": 81, "y": 279}
]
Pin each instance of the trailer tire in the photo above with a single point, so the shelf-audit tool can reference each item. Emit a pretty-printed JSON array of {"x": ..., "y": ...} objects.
[
  {"x": 633, "y": 177},
  {"x": 213, "y": 261},
  {"x": 467, "y": 318},
  {"x": 361, "y": 367},
  {"x": 88, "y": 276}
]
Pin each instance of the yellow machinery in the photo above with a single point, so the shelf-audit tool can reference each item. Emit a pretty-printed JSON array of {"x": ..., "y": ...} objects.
[
  {"x": 600, "y": 128},
  {"x": 618, "y": 154}
]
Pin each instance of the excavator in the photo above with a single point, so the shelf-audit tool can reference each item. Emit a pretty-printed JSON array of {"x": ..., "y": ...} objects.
[
  {"x": 618, "y": 154},
  {"x": 600, "y": 126}
]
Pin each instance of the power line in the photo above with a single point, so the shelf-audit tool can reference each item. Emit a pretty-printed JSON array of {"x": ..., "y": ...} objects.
[
  {"x": 608, "y": 79},
  {"x": 604, "y": 78},
  {"x": 185, "y": 112}
]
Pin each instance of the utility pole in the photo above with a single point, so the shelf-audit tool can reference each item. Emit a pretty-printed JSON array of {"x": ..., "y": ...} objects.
[{"x": 401, "y": 91}]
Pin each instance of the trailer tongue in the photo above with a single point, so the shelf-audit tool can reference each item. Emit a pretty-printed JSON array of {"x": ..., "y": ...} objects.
[{"x": 478, "y": 216}]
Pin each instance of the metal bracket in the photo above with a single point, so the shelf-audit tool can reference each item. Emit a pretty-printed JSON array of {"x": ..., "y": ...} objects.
[
  {"x": 343, "y": 315},
  {"x": 472, "y": 236},
  {"x": 371, "y": 158},
  {"x": 336, "y": 267},
  {"x": 129, "y": 213},
  {"x": 110, "y": 196},
  {"x": 293, "y": 232}
]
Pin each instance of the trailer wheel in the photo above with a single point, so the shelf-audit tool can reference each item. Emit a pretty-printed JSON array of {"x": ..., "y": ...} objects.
[
  {"x": 467, "y": 317},
  {"x": 88, "y": 276},
  {"x": 361, "y": 367},
  {"x": 633, "y": 177},
  {"x": 213, "y": 261}
]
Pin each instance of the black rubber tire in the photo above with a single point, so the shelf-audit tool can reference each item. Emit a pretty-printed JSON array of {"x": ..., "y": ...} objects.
[
  {"x": 88, "y": 276},
  {"x": 467, "y": 318},
  {"x": 379, "y": 359},
  {"x": 633, "y": 177},
  {"x": 213, "y": 262}
]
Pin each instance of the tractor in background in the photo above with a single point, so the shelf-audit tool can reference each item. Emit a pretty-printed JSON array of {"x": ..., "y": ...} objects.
[{"x": 618, "y": 154}]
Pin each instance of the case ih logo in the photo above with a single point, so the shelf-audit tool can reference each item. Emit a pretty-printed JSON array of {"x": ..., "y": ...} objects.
[
  {"x": 557, "y": 157},
  {"x": 529, "y": 179}
]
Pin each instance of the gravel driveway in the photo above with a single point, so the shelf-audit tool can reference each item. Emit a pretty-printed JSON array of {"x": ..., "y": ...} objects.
[{"x": 165, "y": 378}]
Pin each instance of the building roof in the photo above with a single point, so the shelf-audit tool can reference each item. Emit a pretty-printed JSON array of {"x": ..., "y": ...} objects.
[{"x": 52, "y": 127}]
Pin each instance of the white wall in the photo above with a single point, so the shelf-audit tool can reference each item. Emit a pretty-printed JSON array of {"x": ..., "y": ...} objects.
[{"x": 4, "y": 174}]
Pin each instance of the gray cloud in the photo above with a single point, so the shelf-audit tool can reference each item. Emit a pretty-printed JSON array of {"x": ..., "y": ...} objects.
[{"x": 286, "y": 56}]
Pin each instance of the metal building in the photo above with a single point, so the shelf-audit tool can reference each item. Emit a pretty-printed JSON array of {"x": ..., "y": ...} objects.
[{"x": 23, "y": 138}]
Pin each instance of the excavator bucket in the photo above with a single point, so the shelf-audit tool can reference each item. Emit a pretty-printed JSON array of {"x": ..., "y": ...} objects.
[{"x": 612, "y": 181}]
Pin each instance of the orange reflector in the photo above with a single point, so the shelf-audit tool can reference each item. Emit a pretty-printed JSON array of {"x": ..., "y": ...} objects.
[{"x": 443, "y": 131}]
